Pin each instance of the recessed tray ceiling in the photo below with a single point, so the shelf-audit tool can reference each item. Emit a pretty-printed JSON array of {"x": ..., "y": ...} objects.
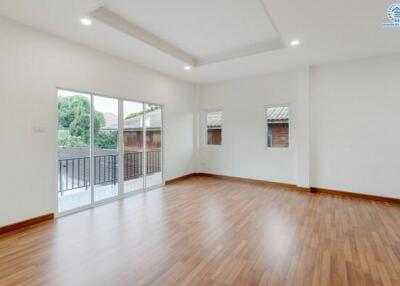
[{"x": 195, "y": 32}]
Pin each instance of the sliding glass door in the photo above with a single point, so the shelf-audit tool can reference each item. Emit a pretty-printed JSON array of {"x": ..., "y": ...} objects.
[
  {"x": 105, "y": 151},
  {"x": 133, "y": 146},
  {"x": 74, "y": 136},
  {"x": 102, "y": 142},
  {"x": 153, "y": 131}
]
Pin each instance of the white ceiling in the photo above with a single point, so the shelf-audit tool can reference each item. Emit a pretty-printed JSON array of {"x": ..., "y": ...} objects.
[
  {"x": 201, "y": 28},
  {"x": 329, "y": 31}
]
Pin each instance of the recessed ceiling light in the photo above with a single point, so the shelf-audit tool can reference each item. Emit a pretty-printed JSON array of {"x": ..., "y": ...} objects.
[
  {"x": 187, "y": 68},
  {"x": 86, "y": 21},
  {"x": 295, "y": 43}
]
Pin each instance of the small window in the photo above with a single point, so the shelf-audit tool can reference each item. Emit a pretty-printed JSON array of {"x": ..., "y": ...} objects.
[
  {"x": 277, "y": 126},
  {"x": 214, "y": 127}
]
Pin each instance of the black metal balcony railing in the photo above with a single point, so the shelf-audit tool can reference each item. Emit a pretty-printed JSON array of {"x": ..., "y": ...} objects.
[
  {"x": 153, "y": 162},
  {"x": 74, "y": 173},
  {"x": 105, "y": 169},
  {"x": 133, "y": 165}
]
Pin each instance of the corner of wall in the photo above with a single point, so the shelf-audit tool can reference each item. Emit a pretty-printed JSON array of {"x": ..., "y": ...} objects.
[
  {"x": 302, "y": 130},
  {"x": 196, "y": 128}
]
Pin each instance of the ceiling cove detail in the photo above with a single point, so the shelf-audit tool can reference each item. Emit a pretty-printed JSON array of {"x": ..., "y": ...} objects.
[{"x": 121, "y": 24}]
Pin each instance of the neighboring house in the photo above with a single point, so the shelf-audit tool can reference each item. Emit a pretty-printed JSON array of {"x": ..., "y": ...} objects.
[
  {"x": 133, "y": 136},
  {"x": 133, "y": 131},
  {"x": 111, "y": 121}
]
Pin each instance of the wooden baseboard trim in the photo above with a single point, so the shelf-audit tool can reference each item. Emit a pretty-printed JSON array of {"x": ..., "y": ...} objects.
[
  {"x": 311, "y": 189},
  {"x": 303, "y": 189},
  {"x": 25, "y": 223},
  {"x": 175, "y": 180},
  {"x": 246, "y": 180},
  {"x": 291, "y": 187},
  {"x": 237, "y": 179},
  {"x": 355, "y": 195}
]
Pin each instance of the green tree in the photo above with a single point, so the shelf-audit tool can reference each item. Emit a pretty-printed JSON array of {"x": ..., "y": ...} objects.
[
  {"x": 106, "y": 139},
  {"x": 74, "y": 115},
  {"x": 66, "y": 140}
]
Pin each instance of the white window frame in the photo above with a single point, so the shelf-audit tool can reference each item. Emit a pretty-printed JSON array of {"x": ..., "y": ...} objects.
[
  {"x": 121, "y": 194},
  {"x": 206, "y": 111},
  {"x": 266, "y": 127}
]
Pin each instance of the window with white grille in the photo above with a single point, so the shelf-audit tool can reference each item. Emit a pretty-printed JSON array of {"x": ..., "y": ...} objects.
[{"x": 277, "y": 126}]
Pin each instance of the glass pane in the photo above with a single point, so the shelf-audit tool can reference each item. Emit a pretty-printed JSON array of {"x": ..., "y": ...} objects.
[
  {"x": 214, "y": 127},
  {"x": 133, "y": 146},
  {"x": 278, "y": 126},
  {"x": 73, "y": 150},
  {"x": 153, "y": 121},
  {"x": 105, "y": 152}
]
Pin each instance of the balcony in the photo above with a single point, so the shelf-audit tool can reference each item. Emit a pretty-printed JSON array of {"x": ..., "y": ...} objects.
[{"x": 74, "y": 176}]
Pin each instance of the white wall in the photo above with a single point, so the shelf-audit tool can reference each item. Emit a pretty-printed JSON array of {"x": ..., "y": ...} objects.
[
  {"x": 243, "y": 152},
  {"x": 32, "y": 65},
  {"x": 344, "y": 127},
  {"x": 355, "y": 116}
]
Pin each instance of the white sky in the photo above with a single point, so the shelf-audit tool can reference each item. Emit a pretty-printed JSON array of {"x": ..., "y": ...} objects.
[
  {"x": 105, "y": 104},
  {"x": 130, "y": 107}
]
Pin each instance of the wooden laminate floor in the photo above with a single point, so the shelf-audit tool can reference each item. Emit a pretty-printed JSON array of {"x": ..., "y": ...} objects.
[{"x": 210, "y": 231}]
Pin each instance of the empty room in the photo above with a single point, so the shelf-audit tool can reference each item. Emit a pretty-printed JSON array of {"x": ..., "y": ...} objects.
[{"x": 188, "y": 142}]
